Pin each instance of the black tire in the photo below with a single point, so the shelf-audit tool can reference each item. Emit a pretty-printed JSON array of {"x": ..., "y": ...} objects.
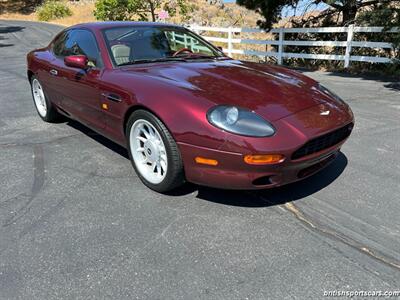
[
  {"x": 175, "y": 173},
  {"x": 52, "y": 115}
]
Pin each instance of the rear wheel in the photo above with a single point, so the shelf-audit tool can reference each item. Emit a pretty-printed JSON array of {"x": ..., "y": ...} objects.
[
  {"x": 153, "y": 152},
  {"x": 43, "y": 106}
]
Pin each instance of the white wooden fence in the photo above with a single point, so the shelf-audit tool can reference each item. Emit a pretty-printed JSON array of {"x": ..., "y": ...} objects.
[{"x": 350, "y": 43}]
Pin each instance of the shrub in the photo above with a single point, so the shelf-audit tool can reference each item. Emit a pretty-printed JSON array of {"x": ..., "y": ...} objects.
[{"x": 53, "y": 9}]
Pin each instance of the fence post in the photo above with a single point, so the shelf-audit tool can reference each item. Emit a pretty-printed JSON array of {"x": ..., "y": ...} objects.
[
  {"x": 229, "y": 41},
  {"x": 350, "y": 33},
  {"x": 280, "y": 45}
]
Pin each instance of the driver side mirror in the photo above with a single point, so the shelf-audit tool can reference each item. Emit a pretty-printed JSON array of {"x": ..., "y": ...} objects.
[
  {"x": 76, "y": 61},
  {"x": 220, "y": 48}
]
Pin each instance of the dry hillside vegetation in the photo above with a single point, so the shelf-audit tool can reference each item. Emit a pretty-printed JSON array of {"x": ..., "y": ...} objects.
[
  {"x": 18, "y": 10},
  {"x": 82, "y": 11}
]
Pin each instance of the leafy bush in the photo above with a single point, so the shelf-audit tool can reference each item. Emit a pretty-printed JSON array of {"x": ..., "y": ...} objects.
[{"x": 53, "y": 9}]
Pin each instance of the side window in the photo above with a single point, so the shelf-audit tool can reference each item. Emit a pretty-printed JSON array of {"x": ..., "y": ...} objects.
[
  {"x": 59, "y": 44},
  {"x": 83, "y": 42},
  {"x": 78, "y": 42}
]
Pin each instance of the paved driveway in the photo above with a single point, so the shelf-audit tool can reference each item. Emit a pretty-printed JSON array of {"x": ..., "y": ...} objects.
[{"x": 76, "y": 223}]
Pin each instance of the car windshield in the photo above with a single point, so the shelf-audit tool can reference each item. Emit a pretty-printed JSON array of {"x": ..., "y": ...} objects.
[{"x": 129, "y": 45}]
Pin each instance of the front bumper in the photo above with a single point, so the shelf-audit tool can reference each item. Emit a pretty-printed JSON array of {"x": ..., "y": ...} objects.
[{"x": 233, "y": 173}]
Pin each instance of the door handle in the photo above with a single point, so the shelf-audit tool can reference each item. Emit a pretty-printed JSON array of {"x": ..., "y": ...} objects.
[
  {"x": 53, "y": 72},
  {"x": 112, "y": 97}
]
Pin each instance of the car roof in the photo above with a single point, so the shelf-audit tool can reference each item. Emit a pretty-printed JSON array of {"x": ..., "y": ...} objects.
[{"x": 116, "y": 24}]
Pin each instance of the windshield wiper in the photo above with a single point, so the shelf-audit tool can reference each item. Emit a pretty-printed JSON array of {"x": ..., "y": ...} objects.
[{"x": 140, "y": 61}]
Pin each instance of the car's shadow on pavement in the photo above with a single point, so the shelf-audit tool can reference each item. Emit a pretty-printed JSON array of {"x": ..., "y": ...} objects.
[
  {"x": 256, "y": 198},
  {"x": 98, "y": 138}
]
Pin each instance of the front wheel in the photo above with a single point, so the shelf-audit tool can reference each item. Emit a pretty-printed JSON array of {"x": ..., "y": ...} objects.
[{"x": 153, "y": 152}]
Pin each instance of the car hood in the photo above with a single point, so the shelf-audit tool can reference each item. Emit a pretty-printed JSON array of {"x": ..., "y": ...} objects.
[{"x": 271, "y": 91}]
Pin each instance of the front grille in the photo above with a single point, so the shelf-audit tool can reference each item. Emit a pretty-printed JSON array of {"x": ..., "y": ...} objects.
[{"x": 323, "y": 142}]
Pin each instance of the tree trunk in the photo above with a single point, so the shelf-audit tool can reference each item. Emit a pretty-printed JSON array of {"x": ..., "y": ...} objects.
[
  {"x": 349, "y": 12},
  {"x": 152, "y": 10}
]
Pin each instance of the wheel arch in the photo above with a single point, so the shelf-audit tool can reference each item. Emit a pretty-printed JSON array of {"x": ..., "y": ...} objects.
[
  {"x": 136, "y": 107},
  {"x": 30, "y": 73}
]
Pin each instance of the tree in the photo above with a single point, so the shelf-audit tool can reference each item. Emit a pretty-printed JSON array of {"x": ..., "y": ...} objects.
[
  {"x": 340, "y": 12},
  {"x": 123, "y": 10}
]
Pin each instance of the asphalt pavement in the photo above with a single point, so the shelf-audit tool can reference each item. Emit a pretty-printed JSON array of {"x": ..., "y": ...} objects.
[{"x": 77, "y": 223}]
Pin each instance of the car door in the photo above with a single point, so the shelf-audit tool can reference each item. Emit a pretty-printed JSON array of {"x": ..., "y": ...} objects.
[
  {"x": 78, "y": 90},
  {"x": 53, "y": 85}
]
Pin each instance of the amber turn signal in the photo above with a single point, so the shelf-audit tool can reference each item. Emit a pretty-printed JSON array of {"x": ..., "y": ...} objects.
[
  {"x": 206, "y": 161},
  {"x": 264, "y": 159}
]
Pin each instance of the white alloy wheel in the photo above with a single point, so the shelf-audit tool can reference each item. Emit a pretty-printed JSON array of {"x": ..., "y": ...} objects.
[
  {"x": 38, "y": 96},
  {"x": 148, "y": 151}
]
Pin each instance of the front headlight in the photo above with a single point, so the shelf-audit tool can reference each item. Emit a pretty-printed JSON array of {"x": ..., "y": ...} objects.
[
  {"x": 330, "y": 93},
  {"x": 239, "y": 121}
]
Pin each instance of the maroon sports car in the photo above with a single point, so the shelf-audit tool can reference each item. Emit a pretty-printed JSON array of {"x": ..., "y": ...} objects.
[{"x": 184, "y": 110}]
